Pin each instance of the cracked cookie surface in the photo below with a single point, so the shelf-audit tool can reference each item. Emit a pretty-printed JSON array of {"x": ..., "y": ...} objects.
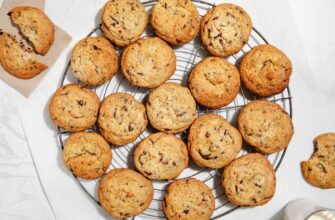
[
  {"x": 124, "y": 193},
  {"x": 214, "y": 82},
  {"x": 225, "y": 29},
  {"x": 175, "y": 21},
  {"x": 121, "y": 118},
  {"x": 161, "y": 156},
  {"x": 87, "y": 155},
  {"x": 148, "y": 62},
  {"x": 124, "y": 21},
  {"x": 74, "y": 107},
  {"x": 213, "y": 142},
  {"x": 249, "y": 180},
  {"x": 94, "y": 61},
  {"x": 266, "y": 70},
  {"x": 188, "y": 199},
  {"x": 319, "y": 170}
]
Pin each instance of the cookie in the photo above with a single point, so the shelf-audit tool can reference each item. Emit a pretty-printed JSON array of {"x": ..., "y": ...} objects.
[
  {"x": 17, "y": 60},
  {"x": 175, "y": 21},
  {"x": 225, "y": 29},
  {"x": 94, "y": 61},
  {"x": 171, "y": 108},
  {"x": 124, "y": 21},
  {"x": 188, "y": 199},
  {"x": 319, "y": 170},
  {"x": 87, "y": 155},
  {"x": 36, "y": 26},
  {"x": 213, "y": 142},
  {"x": 249, "y": 180},
  {"x": 214, "y": 82},
  {"x": 124, "y": 193},
  {"x": 148, "y": 62},
  {"x": 265, "y": 126},
  {"x": 161, "y": 156},
  {"x": 121, "y": 118},
  {"x": 74, "y": 107},
  {"x": 265, "y": 70}
]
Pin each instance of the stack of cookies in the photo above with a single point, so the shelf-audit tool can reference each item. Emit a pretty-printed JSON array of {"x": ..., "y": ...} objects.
[{"x": 171, "y": 108}]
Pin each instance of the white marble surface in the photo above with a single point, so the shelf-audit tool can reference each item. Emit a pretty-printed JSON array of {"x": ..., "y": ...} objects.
[{"x": 21, "y": 195}]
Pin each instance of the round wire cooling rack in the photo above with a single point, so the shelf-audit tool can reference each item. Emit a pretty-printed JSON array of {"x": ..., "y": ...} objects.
[{"x": 187, "y": 56}]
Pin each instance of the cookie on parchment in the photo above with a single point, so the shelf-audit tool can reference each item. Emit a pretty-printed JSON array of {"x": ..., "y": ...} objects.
[
  {"x": 87, "y": 155},
  {"x": 35, "y": 25},
  {"x": 148, "y": 62},
  {"x": 188, "y": 199},
  {"x": 175, "y": 21},
  {"x": 161, "y": 156},
  {"x": 171, "y": 108},
  {"x": 121, "y": 118},
  {"x": 225, "y": 29},
  {"x": 74, "y": 107},
  {"x": 266, "y": 70},
  {"x": 214, "y": 82},
  {"x": 319, "y": 170},
  {"x": 124, "y": 21},
  {"x": 94, "y": 61},
  {"x": 213, "y": 142},
  {"x": 249, "y": 180},
  {"x": 124, "y": 193},
  {"x": 16, "y": 59},
  {"x": 265, "y": 126}
]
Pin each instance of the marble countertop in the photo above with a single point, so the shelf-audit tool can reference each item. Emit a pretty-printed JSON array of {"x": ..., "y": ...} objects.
[{"x": 23, "y": 197}]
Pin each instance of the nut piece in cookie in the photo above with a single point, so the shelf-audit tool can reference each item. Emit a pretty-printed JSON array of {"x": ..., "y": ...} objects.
[
  {"x": 214, "y": 82},
  {"x": 225, "y": 29},
  {"x": 94, "y": 61},
  {"x": 124, "y": 193},
  {"x": 35, "y": 25},
  {"x": 265, "y": 126},
  {"x": 16, "y": 59},
  {"x": 175, "y": 21},
  {"x": 87, "y": 155},
  {"x": 249, "y": 180},
  {"x": 121, "y": 118},
  {"x": 74, "y": 108},
  {"x": 188, "y": 199},
  {"x": 124, "y": 21},
  {"x": 319, "y": 170},
  {"x": 265, "y": 70},
  {"x": 171, "y": 108},
  {"x": 161, "y": 156},
  {"x": 148, "y": 62},
  {"x": 213, "y": 142}
]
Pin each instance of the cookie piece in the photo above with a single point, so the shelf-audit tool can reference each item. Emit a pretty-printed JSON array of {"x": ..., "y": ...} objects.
[
  {"x": 214, "y": 82},
  {"x": 124, "y": 193},
  {"x": 148, "y": 62},
  {"x": 249, "y": 180},
  {"x": 225, "y": 29},
  {"x": 94, "y": 61},
  {"x": 265, "y": 126},
  {"x": 266, "y": 70},
  {"x": 87, "y": 155},
  {"x": 171, "y": 108},
  {"x": 36, "y": 26},
  {"x": 124, "y": 21},
  {"x": 74, "y": 107},
  {"x": 121, "y": 118},
  {"x": 175, "y": 21},
  {"x": 188, "y": 199},
  {"x": 17, "y": 60},
  {"x": 319, "y": 170},
  {"x": 161, "y": 156},
  {"x": 213, "y": 142}
]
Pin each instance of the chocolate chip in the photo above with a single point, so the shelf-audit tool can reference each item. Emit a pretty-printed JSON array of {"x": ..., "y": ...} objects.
[
  {"x": 186, "y": 211},
  {"x": 95, "y": 47},
  {"x": 208, "y": 134},
  {"x": 130, "y": 127},
  {"x": 9, "y": 13},
  {"x": 174, "y": 163},
  {"x": 81, "y": 102}
]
